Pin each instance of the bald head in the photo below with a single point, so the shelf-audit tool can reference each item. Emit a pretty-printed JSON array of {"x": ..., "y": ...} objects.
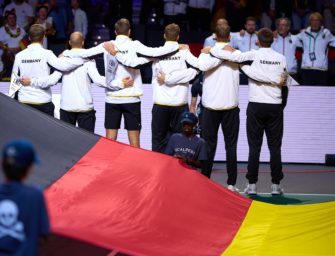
[
  {"x": 76, "y": 40},
  {"x": 222, "y": 21}
]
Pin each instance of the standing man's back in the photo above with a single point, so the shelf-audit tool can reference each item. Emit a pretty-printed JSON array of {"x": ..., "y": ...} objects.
[
  {"x": 220, "y": 106},
  {"x": 34, "y": 62},
  {"x": 125, "y": 102},
  {"x": 170, "y": 99},
  {"x": 265, "y": 108}
]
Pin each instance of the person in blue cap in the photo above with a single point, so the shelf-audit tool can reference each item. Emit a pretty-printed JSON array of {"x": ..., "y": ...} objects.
[
  {"x": 24, "y": 220},
  {"x": 187, "y": 146}
]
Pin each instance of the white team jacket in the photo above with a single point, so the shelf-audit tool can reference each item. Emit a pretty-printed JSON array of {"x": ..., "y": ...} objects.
[
  {"x": 76, "y": 92},
  {"x": 287, "y": 46},
  {"x": 34, "y": 62},
  {"x": 125, "y": 46},
  {"x": 244, "y": 43},
  {"x": 265, "y": 73},
  {"x": 175, "y": 90},
  {"x": 317, "y": 43},
  {"x": 221, "y": 82}
]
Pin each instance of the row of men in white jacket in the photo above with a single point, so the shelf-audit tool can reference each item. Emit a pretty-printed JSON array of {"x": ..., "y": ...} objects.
[
  {"x": 221, "y": 82},
  {"x": 165, "y": 95},
  {"x": 313, "y": 39},
  {"x": 76, "y": 85}
]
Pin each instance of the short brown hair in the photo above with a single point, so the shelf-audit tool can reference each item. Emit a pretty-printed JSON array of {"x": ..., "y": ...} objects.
[
  {"x": 122, "y": 27},
  {"x": 252, "y": 18},
  {"x": 171, "y": 32},
  {"x": 265, "y": 37},
  {"x": 36, "y": 33},
  {"x": 222, "y": 32}
]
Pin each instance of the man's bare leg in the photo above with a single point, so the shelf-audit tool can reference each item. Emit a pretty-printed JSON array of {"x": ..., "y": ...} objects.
[
  {"x": 111, "y": 133},
  {"x": 134, "y": 138}
]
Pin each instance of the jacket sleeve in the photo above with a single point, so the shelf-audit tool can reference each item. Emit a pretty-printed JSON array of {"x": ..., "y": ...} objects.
[
  {"x": 85, "y": 53},
  {"x": 94, "y": 74},
  {"x": 299, "y": 39},
  {"x": 135, "y": 63},
  {"x": 331, "y": 39},
  {"x": 235, "y": 56},
  {"x": 64, "y": 63},
  {"x": 180, "y": 76},
  {"x": 206, "y": 62},
  {"x": 156, "y": 52},
  {"x": 99, "y": 80},
  {"x": 191, "y": 60},
  {"x": 45, "y": 82}
]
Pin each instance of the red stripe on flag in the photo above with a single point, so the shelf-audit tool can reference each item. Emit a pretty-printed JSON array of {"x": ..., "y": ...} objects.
[{"x": 144, "y": 203}]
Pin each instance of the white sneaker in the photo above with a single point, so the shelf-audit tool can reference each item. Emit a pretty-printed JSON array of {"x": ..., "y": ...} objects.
[
  {"x": 233, "y": 188},
  {"x": 251, "y": 189},
  {"x": 276, "y": 189}
]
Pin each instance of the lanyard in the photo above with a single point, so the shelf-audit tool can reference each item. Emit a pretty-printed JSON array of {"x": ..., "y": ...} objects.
[{"x": 310, "y": 38}]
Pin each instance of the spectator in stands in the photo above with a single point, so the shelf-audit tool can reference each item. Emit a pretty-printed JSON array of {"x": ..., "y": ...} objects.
[
  {"x": 146, "y": 10},
  {"x": 24, "y": 13},
  {"x": 175, "y": 12},
  {"x": 28, "y": 225},
  {"x": 236, "y": 13},
  {"x": 315, "y": 41},
  {"x": 186, "y": 145},
  {"x": 329, "y": 14},
  {"x": 79, "y": 18},
  {"x": 199, "y": 14},
  {"x": 10, "y": 36},
  {"x": 247, "y": 41},
  {"x": 286, "y": 43},
  {"x": 62, "y": 18},
  {"x": 274, "y": 9},
  {"x": 171, "y": 12},
  {"x": 45, "y": 21},
  {"x": 301, "y": 11}
]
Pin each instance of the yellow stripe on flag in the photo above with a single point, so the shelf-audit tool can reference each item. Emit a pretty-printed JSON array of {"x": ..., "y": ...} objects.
[{"x": 290, "y": 230}]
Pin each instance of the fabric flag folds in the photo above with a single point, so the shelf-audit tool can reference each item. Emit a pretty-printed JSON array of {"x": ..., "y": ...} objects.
[{"x": 140, "y": 202}]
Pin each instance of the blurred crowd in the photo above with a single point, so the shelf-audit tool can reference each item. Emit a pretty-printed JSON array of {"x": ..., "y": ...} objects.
[{"x": 61, "y": 17}]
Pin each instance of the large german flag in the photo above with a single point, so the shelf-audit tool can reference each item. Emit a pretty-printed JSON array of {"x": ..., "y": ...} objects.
[{"x": 138, "y": 202}]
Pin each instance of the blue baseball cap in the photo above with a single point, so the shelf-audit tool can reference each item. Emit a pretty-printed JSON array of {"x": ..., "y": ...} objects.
[
  {"x": 20, "y": 152},
  {"x": 189, "y": 117}
]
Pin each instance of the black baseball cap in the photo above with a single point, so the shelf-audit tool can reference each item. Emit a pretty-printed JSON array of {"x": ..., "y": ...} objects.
[{"x": 189, "y": 117}]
